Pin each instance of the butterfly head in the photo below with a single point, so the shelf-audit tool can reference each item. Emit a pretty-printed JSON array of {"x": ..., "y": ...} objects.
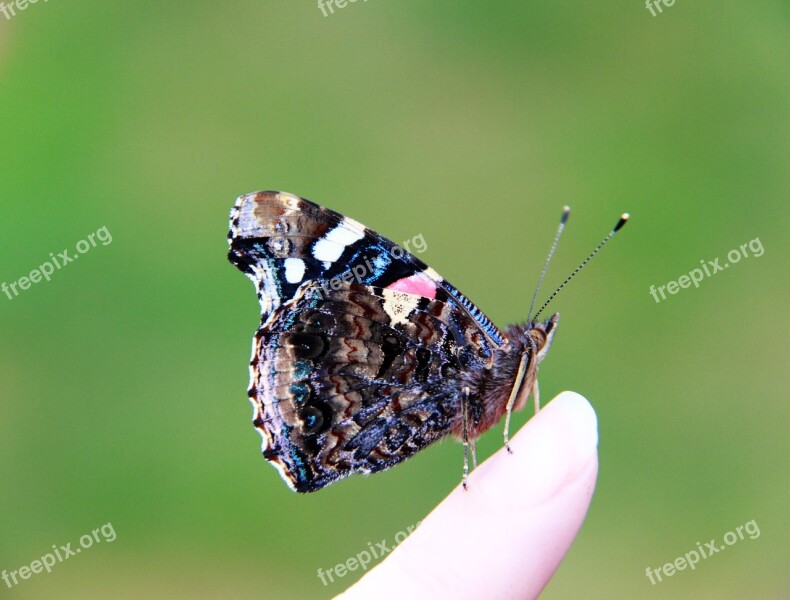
[
  {"x": 541, "y": 333},
  {"x": 529, "y": 344}
]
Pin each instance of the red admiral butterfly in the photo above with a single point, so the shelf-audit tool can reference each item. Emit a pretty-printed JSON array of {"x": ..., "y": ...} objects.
[{"x": 365, "y": 355}]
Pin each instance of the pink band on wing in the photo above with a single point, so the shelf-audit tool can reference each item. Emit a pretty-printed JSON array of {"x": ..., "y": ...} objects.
[{"x": 417, "y": 284}]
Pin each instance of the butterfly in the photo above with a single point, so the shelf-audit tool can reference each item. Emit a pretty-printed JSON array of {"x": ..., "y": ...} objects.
[{"x": 364, "y": 354}]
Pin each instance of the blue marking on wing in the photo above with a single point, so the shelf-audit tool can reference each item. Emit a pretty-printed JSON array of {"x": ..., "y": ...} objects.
[{"x": 485, "y": 324}]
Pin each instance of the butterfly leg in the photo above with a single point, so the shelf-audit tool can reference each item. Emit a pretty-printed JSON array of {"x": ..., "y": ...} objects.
[
  {"x": 465, "y": 422},
  {"x": 507, "y": 430},
  {"x": 536, "y": 396},
  {"x": 522, "y": 369}
]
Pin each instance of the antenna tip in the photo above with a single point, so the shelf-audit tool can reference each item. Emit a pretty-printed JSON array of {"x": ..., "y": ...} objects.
[
  {"x": 566, "y": 211},
  {"x": 623, "y": 220}
]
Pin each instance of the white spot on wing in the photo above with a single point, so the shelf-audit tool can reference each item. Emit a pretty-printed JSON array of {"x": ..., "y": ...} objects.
[
  {"x": 433, "y": 274},
  {"x": 263, "y": 279},
  {"x": 354, "y": 224},
  {"x": 399, "y": 305},
  {"x": 294, "y": 270},
  {"x": 331, "y": 246}
]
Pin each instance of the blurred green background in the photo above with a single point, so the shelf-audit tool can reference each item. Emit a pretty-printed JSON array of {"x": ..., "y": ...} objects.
[{"x": 123, "y": 379}]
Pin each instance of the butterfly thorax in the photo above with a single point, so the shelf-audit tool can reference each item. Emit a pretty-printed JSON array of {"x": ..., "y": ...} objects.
[{"x": 491, "y": 388}]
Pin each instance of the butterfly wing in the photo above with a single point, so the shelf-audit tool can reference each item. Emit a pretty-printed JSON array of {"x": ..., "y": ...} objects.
[
  {"x": 359, "y": 379},
  {"x": 362, "y": 349},
  {"x": 282, "y": 241}
]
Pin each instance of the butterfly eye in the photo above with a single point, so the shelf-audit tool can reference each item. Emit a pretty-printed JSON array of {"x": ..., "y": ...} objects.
[{"x": 538, "y": 337}]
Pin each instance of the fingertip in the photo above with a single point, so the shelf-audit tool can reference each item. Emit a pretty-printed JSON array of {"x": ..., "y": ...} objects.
[
  {"x": 547, "y": 453},
  {"x": 573, "y": 412},
  {"x": 519, "y": 515}
]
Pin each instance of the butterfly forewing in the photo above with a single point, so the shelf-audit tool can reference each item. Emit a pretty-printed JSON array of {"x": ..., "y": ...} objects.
[{"x": 282, "y": 241}]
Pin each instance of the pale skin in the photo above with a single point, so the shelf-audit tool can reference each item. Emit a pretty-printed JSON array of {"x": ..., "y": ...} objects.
[{"x": 504, "y": 536}]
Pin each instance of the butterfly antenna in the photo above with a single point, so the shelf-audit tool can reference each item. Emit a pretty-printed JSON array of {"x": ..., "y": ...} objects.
[
  {"x": 566, "y": 211},
  {"x": 623, "y": 220}
]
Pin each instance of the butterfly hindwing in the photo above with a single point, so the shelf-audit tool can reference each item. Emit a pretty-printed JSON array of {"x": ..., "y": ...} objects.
[{"x": 359, "y": 379}]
